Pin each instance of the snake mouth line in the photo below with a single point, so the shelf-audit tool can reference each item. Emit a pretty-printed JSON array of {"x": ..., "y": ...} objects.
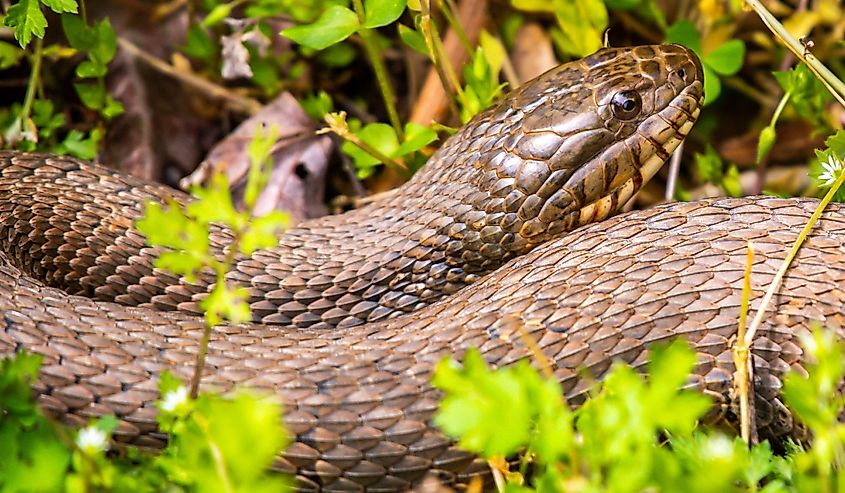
[{"x": 606, "y": 205}]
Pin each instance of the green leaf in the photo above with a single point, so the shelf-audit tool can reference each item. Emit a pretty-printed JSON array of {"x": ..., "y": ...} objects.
[
  {"x": 78, "y": 34},
  {"x": 218, "y": 14},
  {"x": 807, "y": 95},
  {"x": 61, "y": 6},
  {"x": 263, "y": 232},
  {"x": 168, "y": 383},
  {"x": 45, "y": 119},
  {"x": 478, "y": 400},
  {"x": 482, "y": 85},
  {"x": 105, "y": 42},
  {"x": 622, "y": 4},
  {"x": 9, "y": 55},
  {"x": 222, "y": 443},
  {"x": 685, "y": 33},
  {"x": 336, "y": 24},
  {"x": 317, "y": 105},
  {"x": 727, "y": 58},
  {"x": 111, "y": 108},
  {"x": 380, "y": 136},
  {"x": 32, "y": 457},
  {"x": 200, "y": 45},
  {"x": 669, "y": 367},
  {"x": 92, "y": 95},
  {"x": 731, "y": 182},
  {"x": 582, "y": 25},
  {"x": 265, "y": 73},
  {"x": 27, "y": 19},
  {"x": 493, "y": 50},
  {"x": 836, "y": 143},
  {"x": 214, "y": 203},
  {"x": 413, "y": 39},
  {"x": 226, "y": 303},
  {"x": 90, "y": 69},
  {"x": 382, "y": 12},
  {"x": 712, "y": 85},
  {"x": 338, "y": 55},
  {"x": 534, "y": 5},
  {"x": 77, "y": 144},
  {"x": 555, "y": 435},
  {"x": 416, "y": 137},
  {"x": 170, "y": 228}
]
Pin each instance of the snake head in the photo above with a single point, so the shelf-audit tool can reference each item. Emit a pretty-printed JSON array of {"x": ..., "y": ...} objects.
[
  {"x": 567, "y": 148},
  {"x": 573, "y": 145}
]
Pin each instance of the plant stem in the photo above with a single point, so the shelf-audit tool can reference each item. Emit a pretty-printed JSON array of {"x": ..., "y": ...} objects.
[
  {"x": 383, "y": 78},
  {"x": 337, "y": 124},
  {"x": 780, "y": 107},
  {"x": 200, "y": 364},
  {"x": 741, "y": 352},
  {"x": 767, "y": 298},
  {"x": 34, "y": 76},
  {"x": 220, "y": 268},
  {"x": 438, "y": 59},
  {"x": 449, "y": 13}
]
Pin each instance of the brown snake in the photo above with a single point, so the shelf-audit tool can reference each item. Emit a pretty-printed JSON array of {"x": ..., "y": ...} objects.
[{"x": 481, "y": 228}]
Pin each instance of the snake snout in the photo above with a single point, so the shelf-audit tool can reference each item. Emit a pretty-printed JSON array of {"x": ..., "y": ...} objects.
[{"x": 684, "y": 64}]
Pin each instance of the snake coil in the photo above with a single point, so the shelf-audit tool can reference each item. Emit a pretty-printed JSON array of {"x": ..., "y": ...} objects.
[{"x": 351, "y": 312}]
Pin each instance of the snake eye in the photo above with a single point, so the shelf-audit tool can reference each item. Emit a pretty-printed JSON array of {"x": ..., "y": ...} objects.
[{"x": 626, "y": 104}]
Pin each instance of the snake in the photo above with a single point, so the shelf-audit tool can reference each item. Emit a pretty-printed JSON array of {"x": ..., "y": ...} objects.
[{"x": 510, "y": 231}]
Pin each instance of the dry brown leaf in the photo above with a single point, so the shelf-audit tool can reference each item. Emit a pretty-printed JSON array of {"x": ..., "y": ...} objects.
[{"x": 297, "y": 181}]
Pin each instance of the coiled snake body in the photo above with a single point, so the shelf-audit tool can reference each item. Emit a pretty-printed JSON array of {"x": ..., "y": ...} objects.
[{"x": 352, "y": 312}]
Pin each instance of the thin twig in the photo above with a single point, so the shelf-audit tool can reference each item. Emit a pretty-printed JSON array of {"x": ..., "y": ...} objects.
[
  {"x": 236, "y": 102},
  {"x": 498, "y": 478},
  {"x": 536, "y": 352},
  {"x": 674, "y": 170},
  {"x": 449, "y": 13}
]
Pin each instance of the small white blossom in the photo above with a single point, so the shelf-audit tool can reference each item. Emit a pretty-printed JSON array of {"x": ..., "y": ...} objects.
[
  {"x": 718, "y": 447},
  {"x": 92, "y": 440},
  {"x": 174, "y": 399},
  {"x": 832, "y": 169}
]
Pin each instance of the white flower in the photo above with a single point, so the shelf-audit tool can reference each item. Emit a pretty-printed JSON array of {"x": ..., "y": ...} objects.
[
  {"x": 718, "y": 447},
  {"x": 92, "y": 440},
  {"x": 174, "y": 399},
  {"x": 832, "y": 169}
]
